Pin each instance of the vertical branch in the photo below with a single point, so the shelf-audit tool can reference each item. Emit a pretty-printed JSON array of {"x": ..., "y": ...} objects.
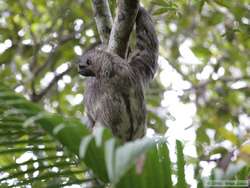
[
  {"x": 103, "y": 19},
  {"x": 123, "y": 25}
]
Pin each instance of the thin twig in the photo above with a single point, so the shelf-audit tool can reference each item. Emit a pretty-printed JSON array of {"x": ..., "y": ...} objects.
[
  {"x": 37, "y": 97},
  {"x": 222, "y": 79}
]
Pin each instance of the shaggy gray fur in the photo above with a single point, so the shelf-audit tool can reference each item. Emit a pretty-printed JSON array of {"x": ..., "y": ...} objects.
[{"x": 114, "y": 94}]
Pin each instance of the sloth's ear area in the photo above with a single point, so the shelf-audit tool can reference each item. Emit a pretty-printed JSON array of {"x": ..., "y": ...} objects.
[{"x": 107, "y": 70}]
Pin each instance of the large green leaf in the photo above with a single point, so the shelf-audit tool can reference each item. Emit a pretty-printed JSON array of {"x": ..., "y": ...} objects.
[
  {"x": 141, "y": 163},
  {"x": 180, "y": 166}
]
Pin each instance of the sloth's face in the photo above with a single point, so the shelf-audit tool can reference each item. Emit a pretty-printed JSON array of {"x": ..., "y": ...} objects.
[
  {"x": 93, "y": 63},
  {"x": 89, "y": 64},
  {"x": 85, "y": 67}
]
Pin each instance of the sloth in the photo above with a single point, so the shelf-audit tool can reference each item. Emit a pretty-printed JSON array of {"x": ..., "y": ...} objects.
[{"x": 114, "y": 95}]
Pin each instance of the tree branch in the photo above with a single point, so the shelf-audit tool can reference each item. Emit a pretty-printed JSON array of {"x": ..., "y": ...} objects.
[
  {"x": 123, "y": 25},
  {"x": 103, "y": 19},
  {"x": 37, "y": 97},
  {"x": 222, "y": 79}
]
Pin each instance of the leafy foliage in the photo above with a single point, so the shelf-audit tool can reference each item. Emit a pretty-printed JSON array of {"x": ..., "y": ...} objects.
[
  {"x": 206, "y": 43},
  {"x": 110, "y": 161}
]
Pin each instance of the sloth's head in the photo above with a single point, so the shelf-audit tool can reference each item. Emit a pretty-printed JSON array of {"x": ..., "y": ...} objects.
[{"x": 95, "y": 63}]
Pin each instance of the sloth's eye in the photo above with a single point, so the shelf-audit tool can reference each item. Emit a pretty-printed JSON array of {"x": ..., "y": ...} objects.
[{"x": 88, "y": 62}]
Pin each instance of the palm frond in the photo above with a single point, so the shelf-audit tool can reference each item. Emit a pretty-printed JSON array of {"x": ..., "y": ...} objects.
[{"x": 26, "y": 128}]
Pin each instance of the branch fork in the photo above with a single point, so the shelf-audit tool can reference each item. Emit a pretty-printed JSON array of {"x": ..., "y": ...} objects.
[{"x": 118, "y": 39}]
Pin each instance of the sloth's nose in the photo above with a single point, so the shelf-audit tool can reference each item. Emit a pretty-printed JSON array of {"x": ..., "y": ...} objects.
[{"x": 82, "y": 66}]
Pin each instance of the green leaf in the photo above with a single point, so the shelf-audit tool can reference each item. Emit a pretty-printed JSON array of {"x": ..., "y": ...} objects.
[
  {"x": 181, "y": 182},
  {"x": 163, "y": 10},
  {"x": 127, "y": 154},
  {"x": 110, "y": 159},
  {"x": 201, "y": 52},
  {"x": 122, "y": 165}
]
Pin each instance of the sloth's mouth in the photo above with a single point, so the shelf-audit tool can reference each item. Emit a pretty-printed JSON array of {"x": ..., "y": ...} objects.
[{"x": 86, "y": 72}]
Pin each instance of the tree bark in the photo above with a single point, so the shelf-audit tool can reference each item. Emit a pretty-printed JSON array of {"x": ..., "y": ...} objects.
[
  {"x": 103, "y": 19},
  {"x": 123, "y": 25}
]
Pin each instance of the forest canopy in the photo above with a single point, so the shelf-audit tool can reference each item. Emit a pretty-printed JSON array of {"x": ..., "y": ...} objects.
[{"x": 200, "y": 95}]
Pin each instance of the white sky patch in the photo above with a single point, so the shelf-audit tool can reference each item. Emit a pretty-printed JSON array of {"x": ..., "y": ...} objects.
[
  {"x": 30, "y": 5},
  {"x": 177, "y": 131},
  {"x": 18, "y": 76},
  {"x": 207, "y": 168},
  {"x": 55, "y": 169},
  {"x": 78, "y": 50},
  {"x": 215, "y": 156},
  {"x": 46, "y": 48},
  {"x": 75, "y": 87},
  {"x": 27, "y": 176},
  {"x": 221, "y": 72},
  {"x": 82, "y": 40},
  {"x": 213, "y": 48},
  {"x": 63, "y": 67},
  {"x": 210, "y": 133},
  {"x": 170, "y": 77},
  {"x": 24, "y": 168},
  {"x": 67, "y": 79},
  {"x": 221, "y": 28},
  {"x": 170, "y": 98},
  {"x": 59, "y": 153},
  {"x": 205, "y": 73},
  {"x": 184, "y": 69},
  {"x": 24, "y": 157},
  {"x": 75, "y": 100},
  {"x": 215, "y": 76},
  {"x": 3, "y": 21},
  {"x": 5, "y": 45},
  {"x": 245, "y": 20},
  {"x": 21, "y": 33},
  {"x": 167, "y": 72},
  {"x": 54, "y": 34},
  {"x": 78, "y": 24},
  {"x": 55, "y": 104},
  {"x": 73, "y": 186},
  {"x": 235, "y": 71},
  {"x": 36, "y": 165},
  {"x": 187, "y": 56},
  {"x": 189, "y": 175},
  {"x": 19, "y": 89},
  {"x": 47, "y": 79},
  {"x": 244, "y": 120},
  {"x": 239, "y": 84},
  {"x": 40, "y": 146},
  {"x": 90, "y": 33},
  {"x": 150, "y": 132},
  {"x": 61, "y": 85},
  {"x": 173, "y": 27},
  {"x": 182, "y": 113},
  {"x": 190, "y": 150},
  {"x": 35, "y": 174},
  {"x": 229, "y": 126},
  {"x": 27, "y": 41},
  {"x": 25, "y": 67},
  {"x": 227, "y": 144},
  {"x": 179, "y": 127},
  {"x": 8, "y": 43}
]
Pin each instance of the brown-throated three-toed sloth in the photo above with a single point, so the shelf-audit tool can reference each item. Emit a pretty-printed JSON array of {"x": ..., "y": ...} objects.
[{"x": 114, "y": 94}]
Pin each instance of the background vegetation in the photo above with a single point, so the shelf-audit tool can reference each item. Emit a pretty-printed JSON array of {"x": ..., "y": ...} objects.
[{"x": 204, "y": 69}]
